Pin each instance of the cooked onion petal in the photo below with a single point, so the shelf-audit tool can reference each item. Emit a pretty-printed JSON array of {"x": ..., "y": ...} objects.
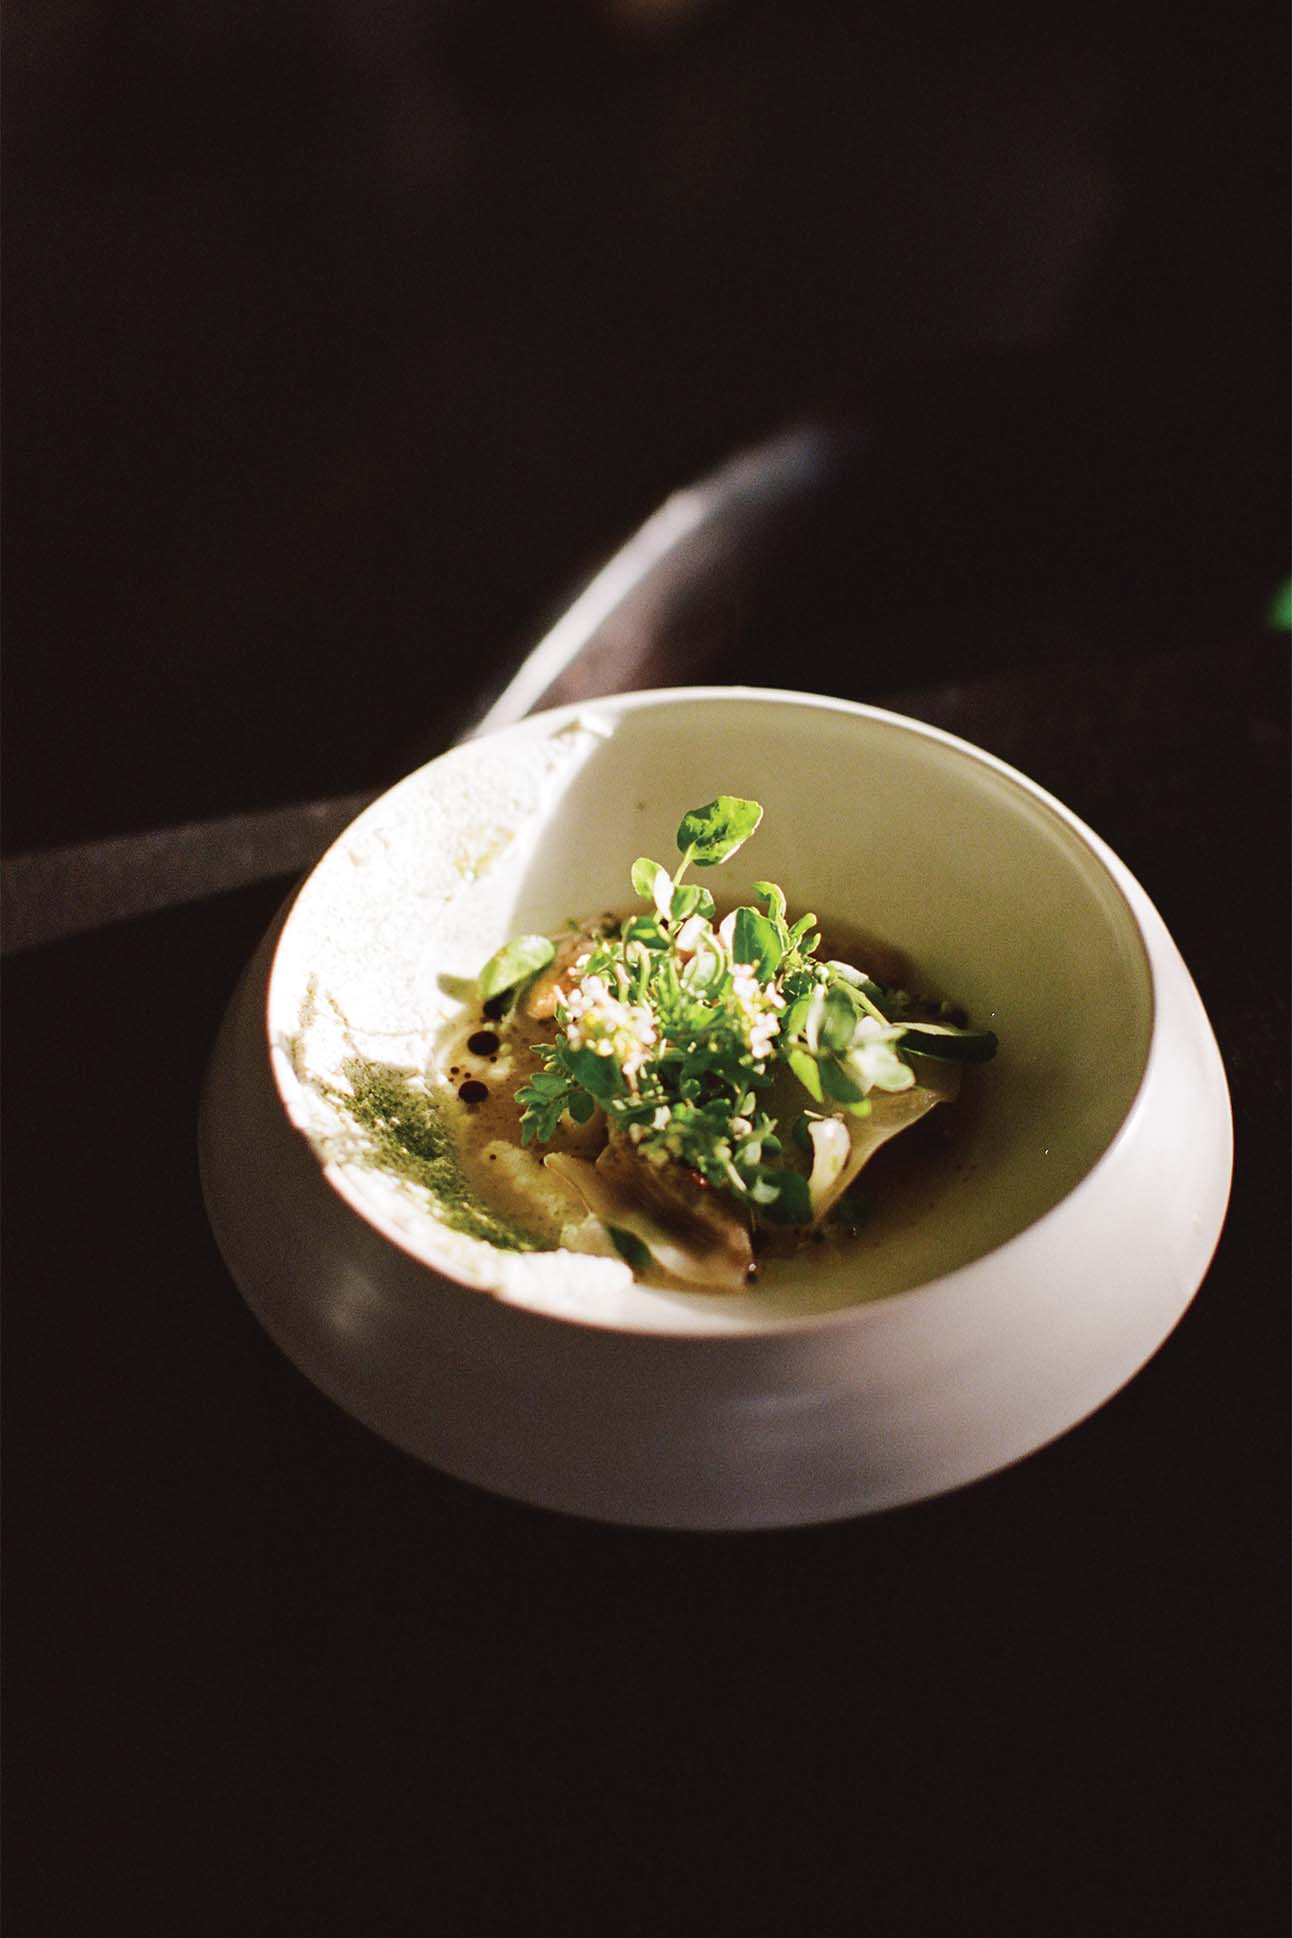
[
  {"x": 891, "y": 1111},
  {"x": 693, "y": 1233}
]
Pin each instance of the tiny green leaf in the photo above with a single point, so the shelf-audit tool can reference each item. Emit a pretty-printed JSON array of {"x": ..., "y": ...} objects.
[
  {"x": 644, "y": 873},
  {"x": 839, "y": 1024},
  {"x": 774, "y": 897},
  {"x": 711, "y": 834},
  {"x": 515, "y": 963},
  {"x": 630, "y": 1248},
  {"x": 599, "y": 1075},
  {"x": 791, "y": 1204},
  {"x": 805, "y": 1069},
  {"x": 645, "y": 929},
  {"x": 754, "y": 940},
  {"x": 836, "y": 1083},
  {"x": 689, "y": 899}
]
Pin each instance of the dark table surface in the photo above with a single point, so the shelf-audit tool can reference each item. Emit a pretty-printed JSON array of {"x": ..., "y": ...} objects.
[
  {"x": 341, "y": 343},
  {"x": 268, "y": 1674}
]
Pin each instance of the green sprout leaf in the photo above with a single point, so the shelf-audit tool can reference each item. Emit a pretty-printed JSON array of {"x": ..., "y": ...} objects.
[
  {"x": 782, "y": 1196},
  {"x": 515, "y": 963},
  {"x": 804, "y": 1066},
  {"x": 839, "y": 1023},
  {"x": 836, "y": 1083},
  {"x": 644, "y": 873},
  {"x": 711, "y": 834},
  {"x": 690, "y": 899},
  {"x": 630, "y": 1248},
  {"x": 754, "y": 940},
  {"x": 775, "y": 899},
  {"x": 645, "y": 931},
  {"x": 599, "y": 1075}
]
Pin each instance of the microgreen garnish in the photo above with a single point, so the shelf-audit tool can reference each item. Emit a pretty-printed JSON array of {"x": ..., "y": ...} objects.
[
  {"x": 515, "y": 963},
  {"x": 672, "y": 1025},
  {"x": 711, "y": 834}
]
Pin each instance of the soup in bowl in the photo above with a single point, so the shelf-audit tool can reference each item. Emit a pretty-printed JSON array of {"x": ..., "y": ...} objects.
[{"x": 1000, "y": 1268}]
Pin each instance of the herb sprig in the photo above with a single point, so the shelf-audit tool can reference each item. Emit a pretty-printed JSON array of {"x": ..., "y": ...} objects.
[{"x": 672, "y": 1026}]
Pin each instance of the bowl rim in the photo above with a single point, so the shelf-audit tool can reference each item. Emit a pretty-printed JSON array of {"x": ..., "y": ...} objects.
[{"x": 868, "y": 1312}]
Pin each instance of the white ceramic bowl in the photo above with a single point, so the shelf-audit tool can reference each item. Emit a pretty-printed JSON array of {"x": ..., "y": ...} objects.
[{"x": 1035, "y": 1281}]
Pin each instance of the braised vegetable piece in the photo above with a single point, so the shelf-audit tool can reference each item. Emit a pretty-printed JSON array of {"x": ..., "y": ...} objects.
[{"x": 675, "y": 1027}]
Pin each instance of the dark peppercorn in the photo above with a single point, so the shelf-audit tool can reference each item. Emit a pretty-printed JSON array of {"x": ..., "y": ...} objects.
[
  {"x": 483, "y": 1043},
  {"x": 472, "y": 1092}
]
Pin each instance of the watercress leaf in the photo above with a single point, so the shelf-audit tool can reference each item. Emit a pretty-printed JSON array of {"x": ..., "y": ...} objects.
[
  {"x": 754, "y": 940},
  {"x": 839, "y": 1022},
  {"x": 795, "y": 1017},
  {"x": 581, "y": 1106},
  {"x": 843, "y": 971},
  {"x": 774, "y": 897},
  {"x": 800, "y": 929},
  {"x": 836, "y": 1083},
  {"x": 515, "y": 963},
  {"x": 598, "y": 1074},
  {"x": 806, "y": 1070},
  {"x": 791, "y": 1204},
  {"x": 630, "y": 1248},
  {"x": 547, "y": 1083},
  {"x": 644, "y": 873},
  {"x": 712, "y": 833},
  {"x": 686, "y": 900},
  {"x": 646, "y": 930}
]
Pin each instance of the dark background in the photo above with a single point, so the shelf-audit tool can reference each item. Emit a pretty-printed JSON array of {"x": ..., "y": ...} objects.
[{"x": 342, "y": 343}]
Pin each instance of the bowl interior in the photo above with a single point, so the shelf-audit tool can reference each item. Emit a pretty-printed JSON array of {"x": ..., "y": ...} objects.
[{"x": 996, "y": 898}]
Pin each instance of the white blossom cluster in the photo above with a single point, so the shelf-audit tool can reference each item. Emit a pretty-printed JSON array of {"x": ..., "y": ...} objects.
[
  {"x": 600, "y": 1020},
  {"x": 757, "y": 1004}
]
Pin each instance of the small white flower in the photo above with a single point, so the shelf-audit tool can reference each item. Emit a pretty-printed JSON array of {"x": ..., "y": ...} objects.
[{"x": 600, "y": 1021}]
